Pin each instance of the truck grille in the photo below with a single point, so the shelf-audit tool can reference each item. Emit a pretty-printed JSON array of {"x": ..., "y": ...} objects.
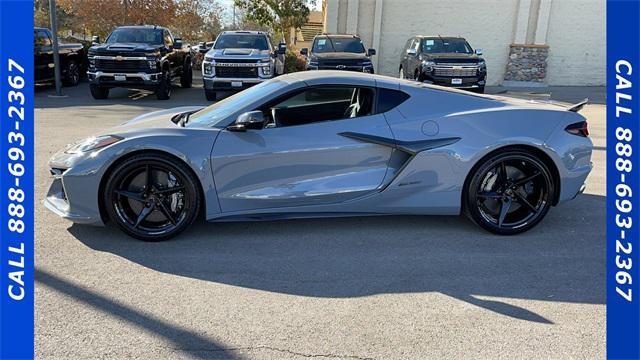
[
  {"x": 122, "y": 66},
  {"x": 236, "y": 72},
  {"x": 455, "y": 71}
]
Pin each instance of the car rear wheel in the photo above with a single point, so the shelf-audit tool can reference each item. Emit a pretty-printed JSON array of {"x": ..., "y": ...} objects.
[
  {"x": 509, "y": 193},
  {"x": 72, "y": 74},
  {"x": 186, "y": 79},
  {"x": 99, "y": 92},
  {"x": 152, "y": 197}
]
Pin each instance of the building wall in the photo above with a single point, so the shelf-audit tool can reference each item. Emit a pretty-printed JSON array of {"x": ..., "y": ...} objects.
[{"x": 573, "y": 29}]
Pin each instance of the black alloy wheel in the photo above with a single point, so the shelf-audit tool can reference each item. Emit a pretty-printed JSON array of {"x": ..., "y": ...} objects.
[
  {"x": 510, "y": 193},
  {"x": 72, "y": 71},
  {"x": 163, "y": 89},
  {"x": 152, "y": 197}
]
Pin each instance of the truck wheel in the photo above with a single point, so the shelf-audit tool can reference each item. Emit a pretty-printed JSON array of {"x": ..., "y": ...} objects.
[
  {"x": 480, "y": 90},
  {"x": 98, "y": 92},
  {"x": 72, "y": 71},
  {"x": 210, "y": 95},
  {"x": 186, "y": 79},
  {"x": 163, "y": 90}
]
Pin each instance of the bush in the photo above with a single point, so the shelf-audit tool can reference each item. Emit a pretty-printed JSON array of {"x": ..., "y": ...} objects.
[{"x": 293, "y": 62}]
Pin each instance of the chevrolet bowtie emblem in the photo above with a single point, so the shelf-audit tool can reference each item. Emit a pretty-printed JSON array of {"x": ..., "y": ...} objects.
[
  {"x": 341, "y": 67},
  {"x": 119, "y": 58}
]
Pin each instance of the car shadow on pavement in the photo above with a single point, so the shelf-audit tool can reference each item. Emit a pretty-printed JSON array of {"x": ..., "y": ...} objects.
[{"x": 562, "y": 259}]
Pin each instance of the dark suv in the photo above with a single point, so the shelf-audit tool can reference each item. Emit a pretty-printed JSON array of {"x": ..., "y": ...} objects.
[
  {"x": 139, "y": 57},
  {"x": 445, "y": 61},
  {"x": 338, "y": 52}
]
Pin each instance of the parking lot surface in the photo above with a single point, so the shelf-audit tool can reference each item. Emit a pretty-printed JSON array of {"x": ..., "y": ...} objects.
[{"x": 394, "y": 287}]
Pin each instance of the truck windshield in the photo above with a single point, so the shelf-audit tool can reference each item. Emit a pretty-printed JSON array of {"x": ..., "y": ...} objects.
[
  {"x": 328, "y": 44},
  {"x": 134, "y": 35},
  {"x": 435, "y": 46},
  {"x": 220, "y": 111},
  {"x": 242, "y": 41}
]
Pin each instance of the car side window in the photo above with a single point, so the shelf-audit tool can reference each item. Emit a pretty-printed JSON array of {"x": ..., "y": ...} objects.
[
  {"x": 42, "y": 38},
  {"x": 168, "y": 40},
  {"x": 327, "y": 103},
  {"x": 407, "y": 45},
  {"x": 389, "y": 99},
  {"x": 416, "y": 45}
]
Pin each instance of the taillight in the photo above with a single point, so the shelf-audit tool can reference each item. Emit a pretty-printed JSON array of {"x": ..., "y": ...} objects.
[{"x": 580, "y": 128}]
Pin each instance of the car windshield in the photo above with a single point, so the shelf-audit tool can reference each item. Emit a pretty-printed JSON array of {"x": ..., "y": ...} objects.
[
  {"x": 435, "y": 46},
  {"x": 214, "y": 114},
  {"x": 338, "y": 44},
  {"x": 242, "y": 41},
  {"x": 136, "y": 35}
]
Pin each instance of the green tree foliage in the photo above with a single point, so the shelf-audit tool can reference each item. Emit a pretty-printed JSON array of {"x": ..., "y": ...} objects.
[{"x": 279, "y": 15}]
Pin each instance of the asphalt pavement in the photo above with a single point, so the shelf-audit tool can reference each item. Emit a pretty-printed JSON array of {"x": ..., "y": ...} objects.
[{"x": 397, "y": 287}]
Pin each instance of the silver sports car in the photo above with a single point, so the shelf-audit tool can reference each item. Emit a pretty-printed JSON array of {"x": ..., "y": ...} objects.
[{"x": 327, "y": 144}]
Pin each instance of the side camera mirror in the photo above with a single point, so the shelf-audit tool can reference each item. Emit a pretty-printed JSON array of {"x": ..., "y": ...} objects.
[
  {"x": 177, "y": 43},
  {"x": 249, "y": 120},
  {"x": 282, "y": 48},
  {"x": 478, "y": 51},
  {"x": 304, "y": 51},
  {"x": 412, "y": 52},
  {"x": 371, "y": 52},
  {"x": 95, "y": 39}
]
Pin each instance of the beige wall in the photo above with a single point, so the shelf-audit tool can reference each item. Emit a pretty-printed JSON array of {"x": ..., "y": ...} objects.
[{"x": 574, "y": 30}]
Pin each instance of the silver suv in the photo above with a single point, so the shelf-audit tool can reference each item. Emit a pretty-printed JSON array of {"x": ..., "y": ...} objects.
[{"x": 240, "y": 59}]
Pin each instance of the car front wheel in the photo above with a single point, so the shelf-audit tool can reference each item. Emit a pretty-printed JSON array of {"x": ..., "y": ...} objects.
[
  {"x": 509, "y": 193},
  {"x": 210, "y": 95},
  {"x": 152, "y": 197},
  {"x": 163, "y": 89},
  {"x": 98, "y": 92}
]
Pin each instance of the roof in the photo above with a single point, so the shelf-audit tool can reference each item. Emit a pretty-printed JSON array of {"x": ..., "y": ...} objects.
[
  {"x": 141, "y": 27},
  {"x": 251, "y": 32},
  {"x": 338, "y": 35},
  {"x": 440, "y": 37}
]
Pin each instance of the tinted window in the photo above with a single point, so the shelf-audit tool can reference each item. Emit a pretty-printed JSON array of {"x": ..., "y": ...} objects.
[
  {"x": 435, "y": 46},
  {"x": 136, "y": 35},
  {"x": 167, "y": 38},
  {"x": 334, "y": 44},
  {"x": 241, "y": 41},
  {"x": 42, "y": 38},
  {"x": 388, "y": 99}
]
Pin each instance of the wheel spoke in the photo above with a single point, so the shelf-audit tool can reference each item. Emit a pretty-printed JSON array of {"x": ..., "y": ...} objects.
[
  {"x": 503, "y": 173},
  {"x": 489, "y": 195},
  {"x": 523, "y": 200},
  {"x": 166, "y": 212},
  {"x": 149, "y": 179},
  {"x": 131, "y": 195},
  {"x": 143, "y": 215},
  {"x": 170, "y": 191},
  {"x": 527, "y": 179},
  {"x": 504, "y": 210}
]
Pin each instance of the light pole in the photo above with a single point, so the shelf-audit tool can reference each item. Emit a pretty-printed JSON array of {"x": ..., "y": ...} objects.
[{"x": 56, "y": 55}]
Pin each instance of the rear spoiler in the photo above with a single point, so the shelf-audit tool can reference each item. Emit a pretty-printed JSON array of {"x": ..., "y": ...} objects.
[{"x": 577, "y": 107}]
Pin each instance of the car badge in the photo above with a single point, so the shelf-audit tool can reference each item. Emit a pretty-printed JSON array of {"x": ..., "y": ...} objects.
[
  {"x": 119, "y": 58},
  {"x": 341, "y": 67}
]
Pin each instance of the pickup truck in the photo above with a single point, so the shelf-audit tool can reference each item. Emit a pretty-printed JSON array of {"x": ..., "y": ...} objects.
[
  {"x": 240, "y": 59},
  {"x": 139, "y": 57},
  {"x": 72, "y": 59},
  {"x": 338, "y": 52}
]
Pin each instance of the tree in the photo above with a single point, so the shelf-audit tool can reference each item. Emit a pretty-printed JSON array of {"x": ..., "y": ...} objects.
[{"x": 280, "y": 15}]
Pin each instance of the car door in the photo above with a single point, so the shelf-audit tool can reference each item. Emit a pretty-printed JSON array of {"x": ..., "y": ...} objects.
[
  {"x": 306, "y": 161},
  {"x": 43, "y": 55}
]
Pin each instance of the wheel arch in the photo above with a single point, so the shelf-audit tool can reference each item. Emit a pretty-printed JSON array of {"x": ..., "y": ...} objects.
[
  {"x": 537, "y": 152},
  {"x": 103, "y": 181}
]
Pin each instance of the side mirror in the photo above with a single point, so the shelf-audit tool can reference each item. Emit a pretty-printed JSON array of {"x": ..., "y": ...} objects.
[
  {"x": 202, "y": 45},
  {"x": 478, "y": 51},
  {"x": 177, "y": 43},
  {"x": 248, "y": 120},
  {"x": 95, "y": 39},
  {"x": 304, "y": 51},
  {"x": 412, "y": 52},
  {"x": 282, "y": 48},
  {"x": 371, "y": 52}
]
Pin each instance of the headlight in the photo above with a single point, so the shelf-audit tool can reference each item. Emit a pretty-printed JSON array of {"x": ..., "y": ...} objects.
[
  {"x": 153, "y": 63},
  {"x": 312, "y": 64},
  {"x": 92, "y": 143},
  {"x": 482, "y": 65},
  {"x": 207, "y": 68}
]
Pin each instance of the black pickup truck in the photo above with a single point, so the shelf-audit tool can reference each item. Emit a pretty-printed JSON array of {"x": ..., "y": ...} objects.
[
  {"x": 139, "y": 57},
  {"x": 72, "y": 59},
  {"x": 338, "y": 52}
]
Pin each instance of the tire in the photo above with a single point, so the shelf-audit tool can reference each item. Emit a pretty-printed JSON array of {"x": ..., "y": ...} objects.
[
  {"x": 163, "y": 89},
  {"x": 72, "y": 73},
  {"x": 509, "y": 192},
  {"x": 210, "y": 95},
  {"x": 186, "y": 79},
  {"x": 156, "y": 207},
  {"x": 99, "y": 92},
  {"x": 480, "y": 90}
]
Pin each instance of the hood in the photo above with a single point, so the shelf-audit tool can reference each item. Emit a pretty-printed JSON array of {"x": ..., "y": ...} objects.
[
  {"x": 124, "y": 48},
  {"x": 452, "y": 57},
  {"x": 238, "y": 53},
  {"x": 156, "y": 119},
  {"x": 340, "y": 56}
]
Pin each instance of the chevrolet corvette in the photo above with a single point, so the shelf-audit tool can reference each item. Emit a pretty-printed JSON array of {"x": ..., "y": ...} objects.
[{"x": 328, "y": 144}]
